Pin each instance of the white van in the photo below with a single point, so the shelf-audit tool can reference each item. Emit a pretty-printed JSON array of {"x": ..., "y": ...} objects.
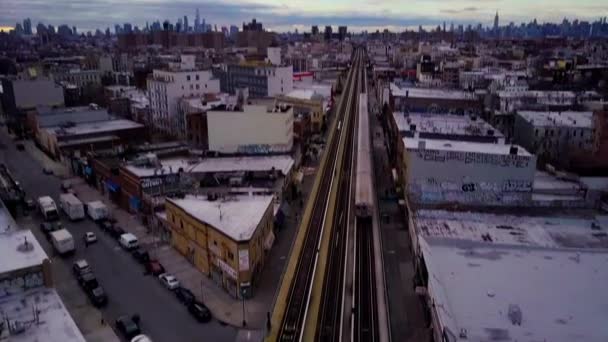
[{"x": 128, "y": 241}]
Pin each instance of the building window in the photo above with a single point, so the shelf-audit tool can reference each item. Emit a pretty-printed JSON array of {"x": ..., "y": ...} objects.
[
  {"x": 188, "y": 77},
  {"x": 191, "y": 87},
  {"x": 536, "y": 132},
  {"x": 181, "y": 224},
  {"x": 230, "y": 256},
  {"x": 197, "y": 87},
  {"x": 197, "y": 77}
]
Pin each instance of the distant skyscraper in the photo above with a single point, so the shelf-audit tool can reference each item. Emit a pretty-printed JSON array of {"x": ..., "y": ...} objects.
[
  {"x": 197, "y": 21},
  {"x": 342, "y": 32},
  {"x": 452, "y": 27},
  {"x": 18, "y": 28},
  {"x": 328, "y": 33},
  {"x": 444, "y": 26},
  {"x": 127, "y": 28},
  {"x": 179, "y": 25},
  {"x": 27, "y": 26},
  {"x": 117, "y": 29},
  {"x": 234, "y": 30},
  {"x": 74, "y": 30},
  {"x": 315, "y": 30},
  {"x": 186, "y": 28},
  {"x": 496, "y": 23}
]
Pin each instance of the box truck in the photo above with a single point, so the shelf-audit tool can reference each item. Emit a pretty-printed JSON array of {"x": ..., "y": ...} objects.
[
  {"x": 72, "y": 206},
  {"x": 63, "y": 241},
  {"x": 97, "y": 210},
  {"x": 48, "y": 208}
]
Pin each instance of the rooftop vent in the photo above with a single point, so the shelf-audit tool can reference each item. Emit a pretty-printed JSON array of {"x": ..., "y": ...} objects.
[
  {"x": 513, "y": 150},
  {"x": 26, "y": 246},
  {"x": 491, "y": 132},
  {"x": 515, "y": 314}
]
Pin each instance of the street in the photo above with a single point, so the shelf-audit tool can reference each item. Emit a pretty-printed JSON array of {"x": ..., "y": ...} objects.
[{"x": 163, "y": 318}]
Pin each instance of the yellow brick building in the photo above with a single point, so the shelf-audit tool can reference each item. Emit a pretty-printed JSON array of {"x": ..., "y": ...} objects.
[{"x": 226, "y": 239}]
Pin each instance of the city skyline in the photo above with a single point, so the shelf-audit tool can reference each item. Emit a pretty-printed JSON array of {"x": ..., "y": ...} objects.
[{"x": 276, "y": 16}]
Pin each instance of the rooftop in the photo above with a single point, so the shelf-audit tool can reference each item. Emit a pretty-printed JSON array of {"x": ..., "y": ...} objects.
[
  {"x": 462, "y": 146},
  {"x": 555, "y": 119},
  {"x": 500, "y": 293},
  {"x": 283, "y": 163},
  {"x": 446, "y": 94},
  {"x": 54, "y": 321},
  {"x": 531, "y": 231},
  {"x": 95, "y": 127},
  {"x": 444, "y": 124},
  {"x": 237, "y": 218},
  {"x": 13, "y": 253}
]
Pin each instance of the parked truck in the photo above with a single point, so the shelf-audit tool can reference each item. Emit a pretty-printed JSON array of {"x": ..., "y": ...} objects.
[
  {"x": 97, "y": 210},
  {"x": 48, "y": 208},
  {"x": 63, "y": 241},
  {"x": 72, "y": 206}
]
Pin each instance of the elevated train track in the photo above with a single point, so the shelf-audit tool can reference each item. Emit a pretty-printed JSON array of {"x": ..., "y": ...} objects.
[{"x": 298, "y": 298}]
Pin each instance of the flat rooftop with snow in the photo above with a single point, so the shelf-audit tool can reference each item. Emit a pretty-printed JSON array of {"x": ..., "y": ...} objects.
[
  {"x": 443, "y": 124},
  {"x": 485, "y": 292},
  {"x": 463, "y": 146},
  {"x": 237, "y": 216},
  {"x": 14, "y": 255},
  {"x": 52, "y": 323},
  {"x": 589, "y": 232}
]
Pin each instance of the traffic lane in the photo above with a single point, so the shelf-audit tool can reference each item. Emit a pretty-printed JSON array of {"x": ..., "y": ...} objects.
[
  {"x": 118, "y": 273},
  {"x": 129, "y": 288}
]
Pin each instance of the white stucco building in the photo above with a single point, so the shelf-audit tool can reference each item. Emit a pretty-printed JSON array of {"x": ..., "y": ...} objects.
[
  {"x": 254, "y": 130},
  {"x": 166, "y": 87}
]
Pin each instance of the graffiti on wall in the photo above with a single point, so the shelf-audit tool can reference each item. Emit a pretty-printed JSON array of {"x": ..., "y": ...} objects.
[
  {"x": 432, "y": 190},
  {"x": 502, "y": 160},
  {"x": 20, "y": 283}
]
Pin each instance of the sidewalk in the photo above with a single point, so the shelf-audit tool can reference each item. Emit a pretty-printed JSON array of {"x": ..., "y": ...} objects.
[
  {"x": 45, "y": 161},
  {"x": 224, "y": 307}
]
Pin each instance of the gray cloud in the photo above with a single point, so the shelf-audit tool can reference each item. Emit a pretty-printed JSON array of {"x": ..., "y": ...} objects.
[{"x": 460, "y": 10}]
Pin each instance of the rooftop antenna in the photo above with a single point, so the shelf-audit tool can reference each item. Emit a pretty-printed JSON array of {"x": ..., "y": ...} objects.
[{"x": 219, "y": 207}]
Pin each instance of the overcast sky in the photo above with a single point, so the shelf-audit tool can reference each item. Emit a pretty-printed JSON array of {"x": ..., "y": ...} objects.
[{"x": 287, "y": 15}]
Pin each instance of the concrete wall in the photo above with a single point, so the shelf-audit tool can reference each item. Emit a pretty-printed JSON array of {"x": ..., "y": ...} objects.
[
  {"x": 475, "y": 178},
  {"x": 280, "y": 81},
  {"x": 252, "y": 131}
]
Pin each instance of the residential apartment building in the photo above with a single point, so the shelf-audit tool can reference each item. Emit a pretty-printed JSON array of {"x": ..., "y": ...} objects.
[
  {"x": 226, "y": 239},
  {"x": 263, "y": 80},
  {"x": 79, "y": 78},
  {"x": 555, "y": 135},
  {"x": 166, "y": 87}
]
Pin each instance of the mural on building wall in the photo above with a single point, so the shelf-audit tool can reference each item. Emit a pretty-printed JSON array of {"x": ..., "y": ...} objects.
[
  {"x": 20, "y": 283},
  {"x": 431, "y": 190}
]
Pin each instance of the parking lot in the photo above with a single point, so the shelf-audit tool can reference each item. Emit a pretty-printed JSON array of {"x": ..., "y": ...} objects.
[{"x": 129, "y": 291}]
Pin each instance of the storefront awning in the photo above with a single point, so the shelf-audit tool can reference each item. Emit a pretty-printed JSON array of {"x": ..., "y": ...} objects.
[{"x": 112, "y": 186}]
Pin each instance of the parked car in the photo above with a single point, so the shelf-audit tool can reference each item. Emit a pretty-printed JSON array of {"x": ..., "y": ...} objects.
[
  {"x": 184, "y": 295},
  {"x": 127, "y": 326},
  {"x": 116, "y": 232},
  {"x": 49, "y": 227},
  {"x": 154, "y": 267},
  {"x": 88, "y": 281},
  {"x": 169, "y": 281},
  {"x": 128, "y": 241},
  {"x": 80, "y": 267},
  {"x": 141, "y": 255},
  {"x": 47, "y": 171},
  {"x": 97, "y": 296},
  {"x": 105, "y": 225},
  {"x": 141, "y": 338},
  {"x": 29, "y": 204},
  {"x": 199, "y": 311},
  {"x": 90, "y": 237}
]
